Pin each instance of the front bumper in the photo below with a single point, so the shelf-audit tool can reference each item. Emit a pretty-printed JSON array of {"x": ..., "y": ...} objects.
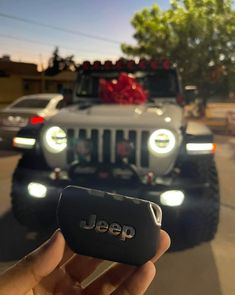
[{"x": 193, "y": 191}]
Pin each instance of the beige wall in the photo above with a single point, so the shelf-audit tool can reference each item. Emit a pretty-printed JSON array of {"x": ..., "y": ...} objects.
[
  {"x": 10, "y": 88},
  {"x": 15, "y": 86}
]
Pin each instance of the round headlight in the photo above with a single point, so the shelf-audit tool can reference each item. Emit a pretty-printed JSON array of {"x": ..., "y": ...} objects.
[
  {"x": 161, "y": 141},
  {"x": 55, "y": 139}
]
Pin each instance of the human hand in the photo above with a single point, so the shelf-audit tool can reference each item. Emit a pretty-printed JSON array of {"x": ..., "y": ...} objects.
[{"x": 53, "y": 269}]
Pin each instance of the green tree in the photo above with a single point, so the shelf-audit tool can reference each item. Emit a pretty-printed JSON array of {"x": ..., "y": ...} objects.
[{"x": 197, "y": 35}]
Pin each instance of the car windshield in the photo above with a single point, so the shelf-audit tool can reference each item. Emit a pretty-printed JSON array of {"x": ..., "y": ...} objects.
[
  {"x": 31, "y": 103},
  {"x": 159, "y": 84}
]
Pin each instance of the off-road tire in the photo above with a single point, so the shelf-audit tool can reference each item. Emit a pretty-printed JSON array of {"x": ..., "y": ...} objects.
[
  {"x": 24, "y": 208},
  {"x": 199, "y": 223}
]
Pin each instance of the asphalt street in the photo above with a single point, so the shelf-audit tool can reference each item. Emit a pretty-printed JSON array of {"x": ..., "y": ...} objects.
[{"x": 203, "y": 270}]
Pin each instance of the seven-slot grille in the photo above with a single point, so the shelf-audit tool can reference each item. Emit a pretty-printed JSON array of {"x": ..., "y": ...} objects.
[{"x": 104, "y": 143}]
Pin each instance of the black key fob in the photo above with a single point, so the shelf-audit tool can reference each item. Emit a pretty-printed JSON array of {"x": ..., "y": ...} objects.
[{"x": 109, "y": 226}]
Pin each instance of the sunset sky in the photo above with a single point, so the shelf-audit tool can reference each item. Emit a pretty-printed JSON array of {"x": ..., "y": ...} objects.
[{"x": 30, "y": 30}]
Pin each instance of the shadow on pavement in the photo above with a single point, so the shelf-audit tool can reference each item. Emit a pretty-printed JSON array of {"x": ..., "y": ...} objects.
[
  {"x": 191, "y": 272},
  {"x": 8, "y": 153},
  {"x": 16, "y": 240},
  {"x": 225, "y": 146}
]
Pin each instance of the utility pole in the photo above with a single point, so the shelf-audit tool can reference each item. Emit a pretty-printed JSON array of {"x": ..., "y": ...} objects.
[{"x": 42, "y": 74}]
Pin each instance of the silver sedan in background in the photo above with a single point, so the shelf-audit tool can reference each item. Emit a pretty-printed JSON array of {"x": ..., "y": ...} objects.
[{"x": 29, "y": 109}]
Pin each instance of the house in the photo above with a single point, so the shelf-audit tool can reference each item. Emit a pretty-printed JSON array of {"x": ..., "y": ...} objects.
[{"x": 20, "y": 78}]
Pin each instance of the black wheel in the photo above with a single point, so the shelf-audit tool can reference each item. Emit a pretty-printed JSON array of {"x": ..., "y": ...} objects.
[
  {"x": 25, "y": 209},
  {"x": 27, "y": 214},
  {"x": 199, "y": 223},
  {"x": 32, "y": 161}
]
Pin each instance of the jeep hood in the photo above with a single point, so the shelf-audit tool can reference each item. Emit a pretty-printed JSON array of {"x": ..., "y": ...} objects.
[{"x": 120, "y": 116}]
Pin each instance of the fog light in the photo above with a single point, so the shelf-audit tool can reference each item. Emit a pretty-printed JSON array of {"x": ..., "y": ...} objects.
[
  {"x": 172, "y": 198},
  {"x": 37, "y": 190}
]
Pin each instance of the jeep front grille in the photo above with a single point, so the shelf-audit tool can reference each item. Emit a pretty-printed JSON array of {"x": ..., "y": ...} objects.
[{"x": 104, "y": 146}]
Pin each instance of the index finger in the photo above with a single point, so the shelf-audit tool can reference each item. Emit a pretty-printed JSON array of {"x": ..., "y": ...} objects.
[{"x": 164, "y": 245}]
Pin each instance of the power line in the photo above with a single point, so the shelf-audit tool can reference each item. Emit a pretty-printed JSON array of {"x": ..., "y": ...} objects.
[
  {"x": 49, "y": 44},
  {"x": 66, "y": 30}
]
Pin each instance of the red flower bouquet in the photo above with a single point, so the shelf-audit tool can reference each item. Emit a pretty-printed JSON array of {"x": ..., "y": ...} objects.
[{"x": 125, "y": 90}]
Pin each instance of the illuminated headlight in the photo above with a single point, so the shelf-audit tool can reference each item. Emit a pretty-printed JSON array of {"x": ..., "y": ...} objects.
[
  {"x": 172, "y": 198},
  {"x": 200, "y": 148},
  {"x": 37, "y": 190},
  {"x": 162, "y": 141},
  {"x": 55, "y": 139}
]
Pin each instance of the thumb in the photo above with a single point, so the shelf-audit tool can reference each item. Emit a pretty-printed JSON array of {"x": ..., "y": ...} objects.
[{"x": 29, "y": 271}]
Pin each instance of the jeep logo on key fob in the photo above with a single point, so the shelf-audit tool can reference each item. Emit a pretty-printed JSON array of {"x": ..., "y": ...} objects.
[
  {"x": 127, "y": 232},
  {"x": 109, "y": 226}
]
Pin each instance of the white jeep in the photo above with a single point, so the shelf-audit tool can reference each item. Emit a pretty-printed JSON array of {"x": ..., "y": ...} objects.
[{"x": 147, "y": 151}]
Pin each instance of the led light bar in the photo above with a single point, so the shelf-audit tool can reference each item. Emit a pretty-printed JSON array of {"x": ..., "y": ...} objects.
[
  {"x": 97, "y": 65},
  {"x": 86, "y": 65},
  {"x": 127, "y": 65},
  {"x": 143, "y": 64},
  {"x": 23, "y": 142},
  {"x": 200, "y": 148},
  {"x": 131, "y": 65},
  {"x": 108, "y": 65}
]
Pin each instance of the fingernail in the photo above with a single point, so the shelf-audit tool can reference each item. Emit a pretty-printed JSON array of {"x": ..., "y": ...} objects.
[
  {"x": 53, "y": 238},
  {"x": 49, "y": 242}
]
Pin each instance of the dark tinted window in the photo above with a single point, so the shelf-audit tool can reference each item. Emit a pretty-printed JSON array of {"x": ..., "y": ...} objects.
[
  {"x": 32, "y": 103},
  {"x": 160, "y": 84}
]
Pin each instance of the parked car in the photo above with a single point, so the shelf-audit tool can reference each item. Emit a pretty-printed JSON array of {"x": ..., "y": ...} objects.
[
  {"x": 147, "y": 151},
  {"x": 27, "y": 110}
]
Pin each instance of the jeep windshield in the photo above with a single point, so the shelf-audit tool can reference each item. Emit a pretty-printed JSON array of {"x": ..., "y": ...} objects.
[{"x": 159, "y": 84}]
